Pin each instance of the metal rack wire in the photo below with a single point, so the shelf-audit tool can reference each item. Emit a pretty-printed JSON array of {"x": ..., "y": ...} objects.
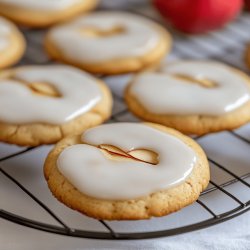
[{"x": 191, "y": 48}]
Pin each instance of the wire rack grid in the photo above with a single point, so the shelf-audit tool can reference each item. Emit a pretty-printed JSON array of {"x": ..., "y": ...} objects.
[{"x": 228, "y": 152}]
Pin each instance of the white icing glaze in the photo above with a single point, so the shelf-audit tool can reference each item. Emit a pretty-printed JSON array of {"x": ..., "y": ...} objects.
[
  {"x": 94, "y": 175},
  {"x": 44, "y": 5},
  {"x": 5, "y": 30},
  {"x": 79, "y": 93},
  {"x": 139, "y": 37},
  {"x": 162, "y": 93}
]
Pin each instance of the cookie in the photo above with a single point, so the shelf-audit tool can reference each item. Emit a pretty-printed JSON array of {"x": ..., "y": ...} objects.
[
  {"x": 43, "y": 104},
  {"x": 12, "y": 43},
  {"x": 248, "y": 55},
  {"x": 34, "y": 13},
  {"x": 109, "y": 43},
  {"x": 194, "y": 97},
  {"x": 117, "y": 172}
]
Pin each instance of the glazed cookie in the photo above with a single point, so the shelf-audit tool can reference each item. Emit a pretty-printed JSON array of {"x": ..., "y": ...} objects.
[
  {"x": 193, "y": 97},
  {"x": 109, "y": 42},
  {"x": 117, "y": 172},
  {"x": 12, "y": 43},
  {"x": 43, "y": 104},
  {"x": 35, "y": 13},
  {"x": 248, "y": 56}
]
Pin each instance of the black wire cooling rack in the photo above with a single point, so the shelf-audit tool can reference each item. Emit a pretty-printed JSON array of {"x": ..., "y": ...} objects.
[{"x": 226, "y": 46}]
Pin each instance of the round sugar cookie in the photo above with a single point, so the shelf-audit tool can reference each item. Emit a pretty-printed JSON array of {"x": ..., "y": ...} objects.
[
  {"x": 117, "y": 172},
  {"x": 109, "y": 42},
  {"x": 43, "y": 104},
  {"x": 194, "y": 97},
  {"x": 42, "y": 13},
  {"x": 12, "y": 43}
]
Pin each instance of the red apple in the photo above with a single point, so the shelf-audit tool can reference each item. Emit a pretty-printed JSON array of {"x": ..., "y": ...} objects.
[
  {"x": 247, "y": 4},
  {"x": 198, "y": 16}
]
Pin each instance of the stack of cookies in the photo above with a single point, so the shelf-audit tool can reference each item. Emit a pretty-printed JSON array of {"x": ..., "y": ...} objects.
[{"x": 121, "y": 171}]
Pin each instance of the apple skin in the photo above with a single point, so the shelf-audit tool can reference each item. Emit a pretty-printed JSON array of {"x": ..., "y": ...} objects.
[
  {"x": 198, "y": 16},
  {"x": 247, "y": 5}
]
